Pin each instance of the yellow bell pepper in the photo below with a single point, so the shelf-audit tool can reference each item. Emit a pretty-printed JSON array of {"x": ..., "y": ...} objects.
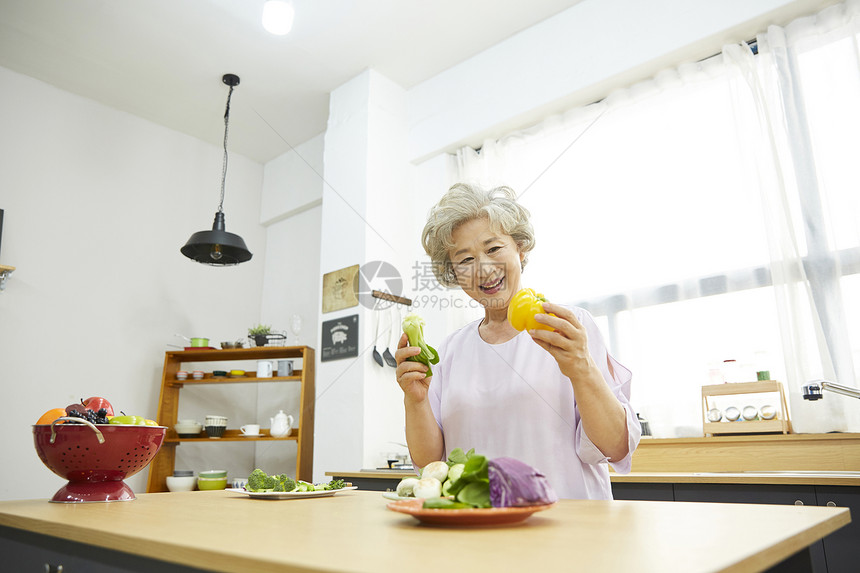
[{"x": 523, "y": 308}]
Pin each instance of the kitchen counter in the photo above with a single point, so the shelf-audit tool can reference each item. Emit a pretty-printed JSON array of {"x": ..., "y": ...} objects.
[
  {"x": 796, "y": 477},
  {"x": 375, "y": 474},
  {"x": 836, "y": 452},
  {"x": 353, "y": 531},
  {"x": 809, "y": 459}
]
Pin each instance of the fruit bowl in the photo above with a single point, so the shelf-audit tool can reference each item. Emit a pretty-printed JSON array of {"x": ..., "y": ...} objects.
[{"x": 95, "y": 458}]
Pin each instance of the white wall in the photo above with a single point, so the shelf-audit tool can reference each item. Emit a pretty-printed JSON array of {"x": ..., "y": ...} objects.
[
  {"x": 363, "y": 205},
  {"x": 388, "y": 237},
  {"x": 98, "y": 203},
  {"x": 291, "y": 210}
]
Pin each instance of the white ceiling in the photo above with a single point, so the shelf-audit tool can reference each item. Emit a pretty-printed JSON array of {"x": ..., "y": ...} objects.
[{"x": 163, "y": 60}]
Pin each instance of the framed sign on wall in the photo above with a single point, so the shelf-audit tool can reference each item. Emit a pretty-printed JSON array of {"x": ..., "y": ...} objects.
[
  {"x": 340, "y": 338},
  {"x": 339, "y": 289}
]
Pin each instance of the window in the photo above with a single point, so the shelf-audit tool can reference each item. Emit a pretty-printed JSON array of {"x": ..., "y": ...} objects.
[{"x": 671, "y": 211}]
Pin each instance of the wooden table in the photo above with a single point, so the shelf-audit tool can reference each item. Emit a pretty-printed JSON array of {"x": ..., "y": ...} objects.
[{"x": 354, "y": 532}]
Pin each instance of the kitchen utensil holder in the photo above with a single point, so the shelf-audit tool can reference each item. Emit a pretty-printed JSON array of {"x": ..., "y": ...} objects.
[{"x": 780, "y": 425}]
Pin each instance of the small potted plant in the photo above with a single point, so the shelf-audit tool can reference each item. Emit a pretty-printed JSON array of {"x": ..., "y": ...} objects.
[{"x": 260, "y": 334}]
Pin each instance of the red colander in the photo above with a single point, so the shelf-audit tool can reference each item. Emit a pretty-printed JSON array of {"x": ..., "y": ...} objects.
[{"x": 96, "y": 458}]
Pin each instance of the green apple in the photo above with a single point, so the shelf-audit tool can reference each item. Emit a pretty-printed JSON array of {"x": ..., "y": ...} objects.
[{"x": 129, "y": 420}]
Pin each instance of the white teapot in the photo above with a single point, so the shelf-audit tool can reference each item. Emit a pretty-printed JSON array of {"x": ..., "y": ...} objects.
[{"x": 280, "y": 424}]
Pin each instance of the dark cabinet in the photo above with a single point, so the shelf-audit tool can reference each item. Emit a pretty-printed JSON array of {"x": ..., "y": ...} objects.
[
  {"x": 842, "y": 547},
  {"x": 643, "y": 491},
  {"x": 25, "y": 551},
  {"x": 745, "y": 493},
  {"x": 370, "y": 483}
]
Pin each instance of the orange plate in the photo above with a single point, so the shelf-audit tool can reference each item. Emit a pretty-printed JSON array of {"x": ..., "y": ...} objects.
[{"x": 465, "y": 517}]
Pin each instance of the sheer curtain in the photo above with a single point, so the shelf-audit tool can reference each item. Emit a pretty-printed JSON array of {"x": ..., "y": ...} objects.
[
  {"x": 708, "y": 214},
  {"x": 803, "y": 125}
]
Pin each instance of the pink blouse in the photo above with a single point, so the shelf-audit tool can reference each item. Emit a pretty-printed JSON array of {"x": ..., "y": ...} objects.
[{"x": 511, "y": 399}]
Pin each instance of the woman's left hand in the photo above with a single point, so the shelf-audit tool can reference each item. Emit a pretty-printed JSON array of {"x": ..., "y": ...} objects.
[{"x": 568, "y": 343}]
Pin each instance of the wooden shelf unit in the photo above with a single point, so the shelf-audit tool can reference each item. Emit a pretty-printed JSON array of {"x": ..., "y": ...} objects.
[
  {"x": 168, "y": 404},
  {"x": 779, "y": 425},
  {"x": 5, "y": 272}
]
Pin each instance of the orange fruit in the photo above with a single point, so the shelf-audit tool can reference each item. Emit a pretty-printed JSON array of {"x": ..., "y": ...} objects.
[{"x": 51, "y": 415}]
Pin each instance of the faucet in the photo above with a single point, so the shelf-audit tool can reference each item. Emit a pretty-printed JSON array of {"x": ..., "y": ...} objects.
[{"x": 814, "y": 390}]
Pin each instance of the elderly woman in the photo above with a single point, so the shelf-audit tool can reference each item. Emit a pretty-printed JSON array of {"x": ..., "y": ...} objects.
[{"x": 554, "y": 399}]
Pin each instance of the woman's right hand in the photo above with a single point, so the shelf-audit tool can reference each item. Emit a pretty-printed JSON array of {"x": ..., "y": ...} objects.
[{"x": 411, "y": 375}]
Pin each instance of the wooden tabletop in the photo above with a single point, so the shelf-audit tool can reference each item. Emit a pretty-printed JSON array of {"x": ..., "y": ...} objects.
[{"x": 353, "y": 531}]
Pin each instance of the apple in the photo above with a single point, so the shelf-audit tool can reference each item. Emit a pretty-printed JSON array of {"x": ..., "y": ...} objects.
[
  {"x": 128, "y": 420},
  {"x": 76, "y": 406},
  {"x": 96, "y": 403}
]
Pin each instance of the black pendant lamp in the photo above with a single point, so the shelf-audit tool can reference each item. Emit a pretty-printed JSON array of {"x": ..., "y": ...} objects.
[{"x": 218, "y": 247}]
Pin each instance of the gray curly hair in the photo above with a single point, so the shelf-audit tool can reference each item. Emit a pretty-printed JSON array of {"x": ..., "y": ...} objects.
[{"x": 463, "y": 203}]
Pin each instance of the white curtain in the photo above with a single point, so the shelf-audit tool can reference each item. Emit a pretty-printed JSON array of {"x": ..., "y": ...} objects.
[
  {"x": 709, "y": 214},
  {"x": 803, "y": 84}
]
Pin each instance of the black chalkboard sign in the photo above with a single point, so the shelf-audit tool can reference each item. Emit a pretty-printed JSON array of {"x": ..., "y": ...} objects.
[
  {"x": 339, "y": 338},
  {"x": 1, "y": 228}
]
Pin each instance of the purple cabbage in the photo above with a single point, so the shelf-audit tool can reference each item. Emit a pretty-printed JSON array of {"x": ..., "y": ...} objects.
[{"x": 517, "y": 484}]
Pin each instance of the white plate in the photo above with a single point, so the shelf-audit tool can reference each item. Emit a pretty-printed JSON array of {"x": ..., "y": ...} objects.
[
  {"x": 289, "y": 494},
  {"x": 252, "y": 435},
  {"x": 394, "y": 497}
]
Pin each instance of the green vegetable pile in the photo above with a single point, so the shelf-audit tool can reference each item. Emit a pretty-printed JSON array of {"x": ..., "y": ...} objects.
[
  {"x": 260, "y": 481},
  {"x": 413, "y": 326},
  {"x": 461, "y": 482}
]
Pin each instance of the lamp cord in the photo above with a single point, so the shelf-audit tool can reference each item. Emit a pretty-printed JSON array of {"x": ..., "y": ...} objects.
[{"x": 224, "y": 166}]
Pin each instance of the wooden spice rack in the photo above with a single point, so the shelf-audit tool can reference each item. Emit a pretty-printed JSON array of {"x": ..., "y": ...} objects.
[{"x": 779, "y": 425}]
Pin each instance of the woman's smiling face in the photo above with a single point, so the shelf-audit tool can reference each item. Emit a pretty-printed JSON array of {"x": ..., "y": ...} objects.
[{"x": 487, "y": 263}]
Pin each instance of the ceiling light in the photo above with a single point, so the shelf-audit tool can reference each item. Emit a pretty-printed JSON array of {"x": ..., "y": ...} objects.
[
  {"x": 278, "y": 17},
  {"x": 218, "y": 247}
]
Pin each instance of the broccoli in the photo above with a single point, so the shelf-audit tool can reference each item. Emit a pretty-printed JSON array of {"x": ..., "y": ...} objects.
[
  {"x": 335, "y": 484},
  {"x": 289, "y": 483},
  {"x": 260, "y": 481},
  {"x": 284, "y": 483}
]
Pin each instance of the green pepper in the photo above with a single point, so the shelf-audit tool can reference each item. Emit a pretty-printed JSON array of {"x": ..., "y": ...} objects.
[{"x": 413, "y": 326}]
